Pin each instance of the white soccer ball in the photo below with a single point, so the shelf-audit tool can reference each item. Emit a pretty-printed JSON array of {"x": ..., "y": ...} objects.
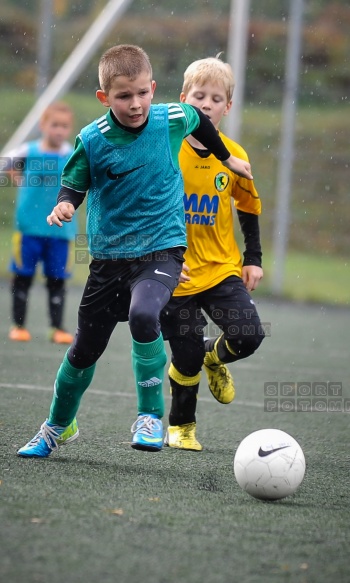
[{"x": 269, "y": 464}]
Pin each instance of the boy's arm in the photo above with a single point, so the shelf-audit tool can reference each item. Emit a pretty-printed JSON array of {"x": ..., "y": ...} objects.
[
  {"x": 252, "y": 271},
  {"x": 249, "y": 224},
  {"x": 68, "y": 200},
  {"x": 75, "y": 182},
  {"x": 75, "y": 197},
  {"x": 207, "y": 135},
  {"x": 76, "y": 173}
]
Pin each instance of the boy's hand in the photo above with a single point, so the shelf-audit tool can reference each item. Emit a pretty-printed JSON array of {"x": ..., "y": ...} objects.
[
  {"x": 183, "y": 277},
  {"x": 64, "y": 211},
  {"x": 251, "y": 275},
  {"x": 240, "y": 167}
]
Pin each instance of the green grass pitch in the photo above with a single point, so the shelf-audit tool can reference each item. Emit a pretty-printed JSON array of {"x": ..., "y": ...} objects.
[{"x": 98, "y": 511}]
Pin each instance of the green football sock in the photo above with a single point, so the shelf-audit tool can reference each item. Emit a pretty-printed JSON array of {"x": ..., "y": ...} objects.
[
  {"x": 70, "y": 385},
  {"x": 148, "y": 362}
]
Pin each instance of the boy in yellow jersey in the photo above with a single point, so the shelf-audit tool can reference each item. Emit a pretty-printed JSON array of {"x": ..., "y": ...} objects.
[{"x": 218, "y": 283}]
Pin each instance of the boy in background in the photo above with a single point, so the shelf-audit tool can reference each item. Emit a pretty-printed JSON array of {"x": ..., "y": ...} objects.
[
  {"x": 127, "y": 161},
  {"x": 36, "y": 169},
  {"x": 219, "y": 284}
]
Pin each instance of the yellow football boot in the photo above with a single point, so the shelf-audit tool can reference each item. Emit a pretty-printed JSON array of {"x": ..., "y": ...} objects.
[
  {"x": 182, "y": 437},
  {"x": 220, "y": 380}
]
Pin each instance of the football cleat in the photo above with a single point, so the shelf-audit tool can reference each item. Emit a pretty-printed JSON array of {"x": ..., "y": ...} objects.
[
  {"x": 60, "y": 336},
  {"x": 182, "y": 437},
  {"x": 147, "y": 433},
  {"x": 48, "y": 439},
  {"x": 18, "y": 334},
  {"x": 220, "y": 381}
]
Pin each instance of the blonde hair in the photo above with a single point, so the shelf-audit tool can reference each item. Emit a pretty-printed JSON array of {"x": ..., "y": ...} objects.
[
  {"x": 56, "y": 107},
  {"x": 122, "y": 60},
  {"x": 212, "y": 70}
]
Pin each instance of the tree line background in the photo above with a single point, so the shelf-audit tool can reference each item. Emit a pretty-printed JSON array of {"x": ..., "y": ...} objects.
[{"x": 175, "y": 33}]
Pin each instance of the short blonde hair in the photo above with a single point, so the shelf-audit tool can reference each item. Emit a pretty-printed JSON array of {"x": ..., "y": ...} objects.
[
  {"x": 212, "y": 70},
  {"x": 56, "y": 107},
  {"x": 122, "y": 60}
]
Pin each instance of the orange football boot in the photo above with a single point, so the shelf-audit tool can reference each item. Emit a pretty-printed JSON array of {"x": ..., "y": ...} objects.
[
  {"x": 60, "y": 336},
  {"x": 19, "y": 334}
]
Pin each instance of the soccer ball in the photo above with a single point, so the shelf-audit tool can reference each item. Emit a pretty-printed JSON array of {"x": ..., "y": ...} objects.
[{"x": 269, "y": 464}]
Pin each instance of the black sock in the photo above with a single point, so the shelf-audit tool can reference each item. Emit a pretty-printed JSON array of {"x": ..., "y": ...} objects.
[
  {"x": 183, "y": 404},
  {"x": 20, "y": 291},
  {"x": 56, "y": 289},
  {"x": 223, "y": 353}
]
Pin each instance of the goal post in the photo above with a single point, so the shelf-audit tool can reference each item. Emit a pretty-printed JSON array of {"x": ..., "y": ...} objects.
[{"x": 70, "y": 70}]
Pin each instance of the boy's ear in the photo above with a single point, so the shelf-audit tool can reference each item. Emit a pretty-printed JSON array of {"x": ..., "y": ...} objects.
[
  {"x": 153, "y": 87},
  {"x": 228, "y": 107},
  {"x": 182, "y": 97},
  {"x": 102, "y": 97}
]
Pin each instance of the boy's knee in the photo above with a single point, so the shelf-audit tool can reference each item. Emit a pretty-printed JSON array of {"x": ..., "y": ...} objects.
[
  {"x": 140, "y": 313},
  {"x": 246, "y": 345},
  {"x": 143, "y": 323},
  {"x": 55, "y": 284},
  {"x": 21, "y": 282}
]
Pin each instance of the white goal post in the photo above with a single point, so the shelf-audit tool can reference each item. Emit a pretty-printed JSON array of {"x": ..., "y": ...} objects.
[{"x": 70, "y": 70}]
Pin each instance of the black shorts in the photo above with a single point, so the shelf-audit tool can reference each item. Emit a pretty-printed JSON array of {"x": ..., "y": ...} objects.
[
  {"x": 110, "y": 282},
  {"x": 228, "y": 304}
]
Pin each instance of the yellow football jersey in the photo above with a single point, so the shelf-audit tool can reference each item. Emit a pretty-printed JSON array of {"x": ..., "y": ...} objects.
[{"x": 212, "y": 253}]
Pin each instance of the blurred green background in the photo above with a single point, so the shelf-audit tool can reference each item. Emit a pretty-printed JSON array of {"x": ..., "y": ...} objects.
[{"x": 174, "y": 34}]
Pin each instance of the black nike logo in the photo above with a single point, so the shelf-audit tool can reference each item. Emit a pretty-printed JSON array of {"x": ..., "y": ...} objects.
[
  {"x": 113, "y": 176},
  {"x": 264, "y": 453}
]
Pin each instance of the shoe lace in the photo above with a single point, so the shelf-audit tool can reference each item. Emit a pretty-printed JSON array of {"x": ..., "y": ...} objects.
[
  {"x": 188, "y": 433},
  {"x": 223, "y": 371},
  {"x": 219, "y": 369},
  {"x": 48, "y": 434},
  {"x": 146, "y": 425}
]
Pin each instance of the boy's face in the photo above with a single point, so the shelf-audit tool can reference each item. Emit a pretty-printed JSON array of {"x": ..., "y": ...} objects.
[
  {"x": 56, "y": 128},
  {"x": 211, "y": 99},
  {"x": 130, "y": 100}
]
